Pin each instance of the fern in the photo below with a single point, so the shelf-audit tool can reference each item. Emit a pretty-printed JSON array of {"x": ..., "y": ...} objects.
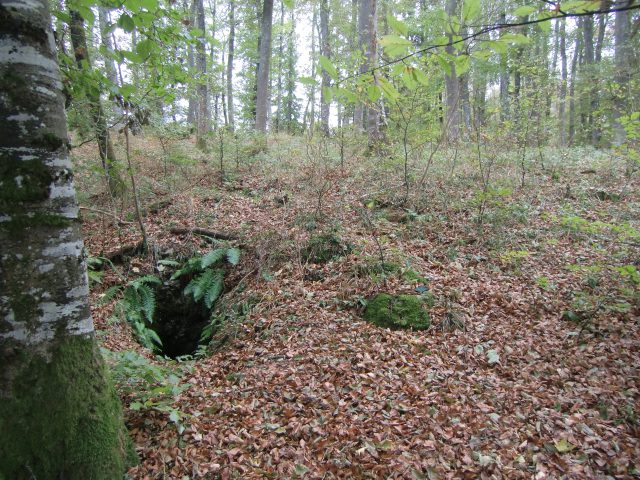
[
  {"x": 233, "y": 256},
  {"x": 214, "y": 289},
  {"x": 213, "y": 257}
]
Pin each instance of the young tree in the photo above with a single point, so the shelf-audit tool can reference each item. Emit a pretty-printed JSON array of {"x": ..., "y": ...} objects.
[
  {"x": 59, "y": 416},
  {"x": 262, "y": 94},
  {"x": 622, "y": 58}
]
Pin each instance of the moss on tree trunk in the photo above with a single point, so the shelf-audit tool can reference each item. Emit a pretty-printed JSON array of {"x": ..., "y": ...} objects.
[{"x": 55, "y": 428}]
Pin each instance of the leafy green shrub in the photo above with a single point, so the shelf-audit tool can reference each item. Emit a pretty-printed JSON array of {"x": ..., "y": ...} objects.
[
  {"x": 150, "y": 386},
  {"x": 397, "y": 311}
]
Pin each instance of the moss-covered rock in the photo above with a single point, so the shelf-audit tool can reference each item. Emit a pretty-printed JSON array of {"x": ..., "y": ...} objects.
[{"x": 397, "y": 311}]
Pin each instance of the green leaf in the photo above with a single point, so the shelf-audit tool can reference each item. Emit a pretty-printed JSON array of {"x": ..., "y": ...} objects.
[
  {"x": 144, "y": 48},
  {"x": 470, "y": 9},
  {"x": 233, "y": 256},
  {"x": 307, "y": 80},
  {"x": 300, "y": 470},
  {"x": 463, "y": 64},
  {"x": 524, "y": 11},
  {"x": 395, "y": 46},
  {"x": 563, "y": 445},
  {"x": 86, "y": 13},
  {"x": 515, "y": 38},
  {"x": 327, "y": 94},
  {"x": 328, "y": 67},
  {"x": 397, "y": 25},
  {"x": 288, "y": 3},
  {"x": 374, "y": 93},
  {"x": 420, "y": 77},
  {"x": 388, "y": 89},
  {"x": 126, "y": 23},
  {"x": 492, "y": 357}
]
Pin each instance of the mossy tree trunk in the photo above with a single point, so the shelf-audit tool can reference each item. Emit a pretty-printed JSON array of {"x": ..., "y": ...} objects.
[{"x": 59, "y": 415}]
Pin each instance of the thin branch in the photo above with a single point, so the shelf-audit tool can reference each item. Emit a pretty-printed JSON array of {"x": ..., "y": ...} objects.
[
  {"x": 109, "y": 214},
  {"x": 488, "y": 29}
]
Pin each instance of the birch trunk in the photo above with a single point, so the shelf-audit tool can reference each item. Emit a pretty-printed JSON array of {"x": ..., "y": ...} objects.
[{"x": 59, "y": 416}]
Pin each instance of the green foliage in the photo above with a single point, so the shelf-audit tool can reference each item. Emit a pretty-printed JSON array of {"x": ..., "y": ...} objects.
[
  {"x": 207, "y": 282},
  {"x": 149, "y": 385},
  {"x": 397, "y": 311},
  {"x": 137, "y": 305}
]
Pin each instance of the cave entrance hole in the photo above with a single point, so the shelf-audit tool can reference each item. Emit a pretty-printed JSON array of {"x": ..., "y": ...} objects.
[{"x": 178, "y": 320}]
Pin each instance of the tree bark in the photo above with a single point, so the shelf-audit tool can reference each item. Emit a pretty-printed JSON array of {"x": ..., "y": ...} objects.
[
  {"x": 203, "y": 120},
  {"x": 230, "y": 59},
  {"x": 190, "y": 6},
  {"x": 622, "y": 58},
  {"x": 326, "y": 79},
  {"x": 367, "y": 31},
  {"x": 105, "y": 38},
  {"x": 504, "y": 81},
  {"x": 59, "y": 415},
  {"x": 572, "y": 90},
  {"x": 562, "y": 96},
  {"x": 452, "y": 86},
  {"x": 262, "y": 94}
]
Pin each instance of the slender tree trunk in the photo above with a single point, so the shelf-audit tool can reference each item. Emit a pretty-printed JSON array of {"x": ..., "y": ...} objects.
[
  {"x": 279, "y": 83},
  {"x": 289, "y": 116},
  {"x": 326, "y": 79},
  {"x": 262, "y": 94},
  {"x": 504, "y": 81},
  {"x": 105, "y": 38},
  {"x": 572, "y": 89},
  {"x": 591, "y": 75},
  {"x": 452, "y": 85},
  {"x": 202, "y": 120},
  {"x": 190, "y": 6},
  {"x": 230, "y": 59},
  {"x": 562, "y": 135},
  {"x": 622, "y": 59},
  {"x": 105, "y": 146},
  {"x": 59, "y": 416}
]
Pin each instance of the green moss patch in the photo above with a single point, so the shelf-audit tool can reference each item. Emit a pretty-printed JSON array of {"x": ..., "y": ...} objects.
[{"x": 397, "y": 312}]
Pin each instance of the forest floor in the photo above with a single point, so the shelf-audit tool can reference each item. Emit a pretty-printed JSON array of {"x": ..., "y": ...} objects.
[{"x": 530, "y": 368}]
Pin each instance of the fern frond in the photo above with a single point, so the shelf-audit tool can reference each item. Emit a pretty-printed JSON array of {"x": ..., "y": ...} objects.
[
  {"x": 212, "y": 257},
  {"x": 214, "y": 288},
  {"x": 192, "y": 265},
  {"x": 233, "y": 256},
  {"x": 110, "y": 293},
  {"x": 147, "y": 301},
  {"x": 145, "y": 280}
]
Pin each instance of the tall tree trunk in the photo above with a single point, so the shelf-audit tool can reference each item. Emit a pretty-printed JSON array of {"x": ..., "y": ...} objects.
[
  {"x": 281, "y": 62},
  {"x": 190, "y": 6},
  {"x": 326, "y": 79},
  {"x": 59, "y": 415},
  {"x": 202, "y": 124},
  {"x": 109, "y": 64},
  {"x": 452, "y": 85},
  {"x": 367, "y": 30},
  {"x": 230, "y": 58},
  {"x": 622, "y": 59},
  {"x": 572, "y": 90},
  {"x": 589, "y": 57},
  {"x": 289, "y": 116},
  {"x": 562, "y": 134},
  {"x": 105, "y": 146},
  {"x": 262, "y": 94},
  {"x": 504, "y": 80}
]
